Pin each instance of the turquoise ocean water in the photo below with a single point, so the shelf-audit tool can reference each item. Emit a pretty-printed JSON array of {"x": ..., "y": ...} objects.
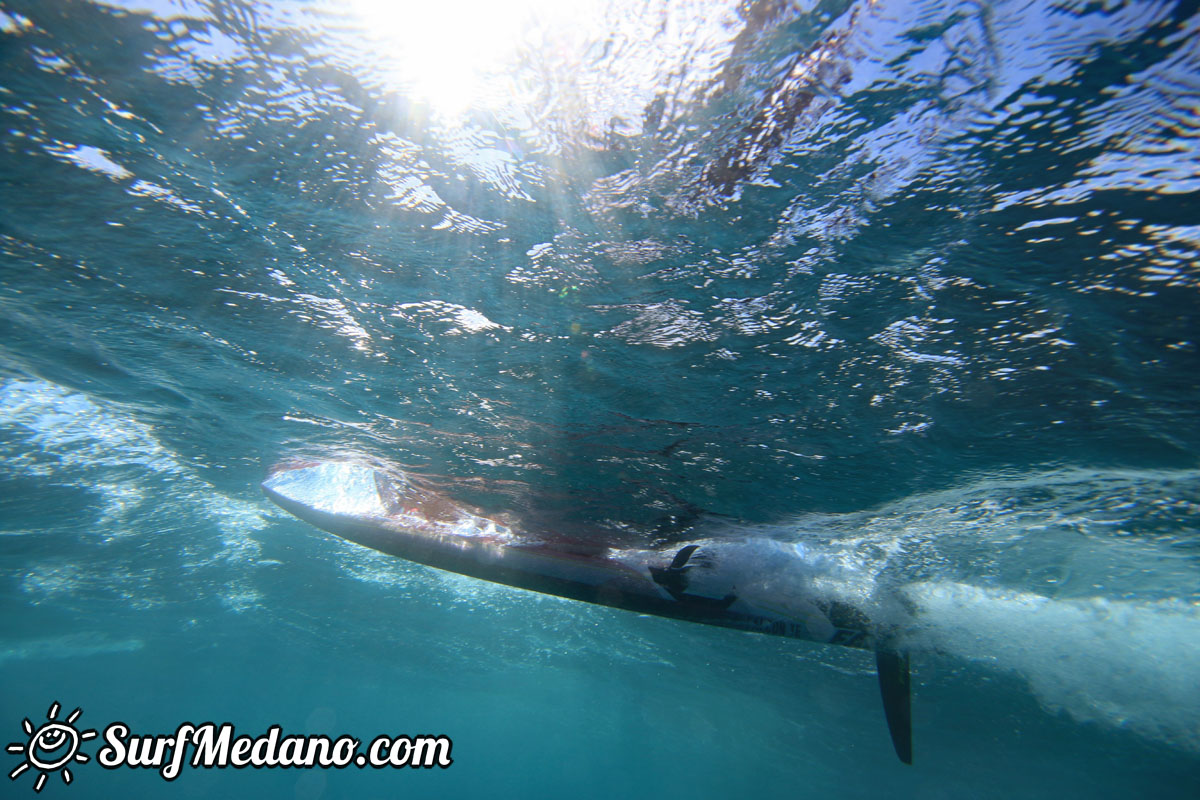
[{"x": 914, "y": 279}]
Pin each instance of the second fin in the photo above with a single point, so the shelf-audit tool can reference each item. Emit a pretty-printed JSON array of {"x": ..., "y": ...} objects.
[{"x": 895, "y": 686}]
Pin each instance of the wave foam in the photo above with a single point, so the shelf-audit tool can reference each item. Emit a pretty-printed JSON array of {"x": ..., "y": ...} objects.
[{"x": 1128, "y": 664}]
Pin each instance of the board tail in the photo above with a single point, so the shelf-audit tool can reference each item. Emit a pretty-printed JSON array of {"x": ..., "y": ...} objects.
[{"x": 894, "y": 684}]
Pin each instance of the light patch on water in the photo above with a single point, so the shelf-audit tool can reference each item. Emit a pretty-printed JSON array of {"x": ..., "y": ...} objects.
[
  {"x": 370, "y": 566},
  {"x": 662, "y": 325},
  {"x": 1038, "y": 223},
  {"x": 90, "y": 158},
  {"x": 161, "y": 193},
  {"x": 165, "y": 10},
  {"x": 456, "y": 318},
  {"x": 239, "y": 597},
  {"x": 70, "y": 646},
  {"x": 46, "y": 581},
  {"x": 13, "y": 23},
  {"x": 332, "y": 314}
]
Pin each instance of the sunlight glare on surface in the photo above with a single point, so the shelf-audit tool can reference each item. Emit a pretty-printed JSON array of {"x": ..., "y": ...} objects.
[{"x": 446, "y": 53}]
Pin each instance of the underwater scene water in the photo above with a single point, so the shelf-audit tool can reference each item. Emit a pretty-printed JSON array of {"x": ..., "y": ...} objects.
[{"x": 914, "y": 282}]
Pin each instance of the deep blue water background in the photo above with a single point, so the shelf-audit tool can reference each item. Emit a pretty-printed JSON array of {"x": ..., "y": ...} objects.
[{"x": 917, "y": 279}]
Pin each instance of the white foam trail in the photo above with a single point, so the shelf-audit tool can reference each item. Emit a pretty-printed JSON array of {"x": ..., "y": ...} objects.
[
  {"x": 72, "y": 439},
  {"x": 76, "y": 434},
  {"x": 1133, "y": 665}
]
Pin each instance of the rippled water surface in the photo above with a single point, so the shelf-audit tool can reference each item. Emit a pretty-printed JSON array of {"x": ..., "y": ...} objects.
[{"x": 917, "y": 280}]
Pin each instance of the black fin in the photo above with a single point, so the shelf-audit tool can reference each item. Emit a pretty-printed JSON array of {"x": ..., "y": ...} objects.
[
  {"x": 897, "y": 698},
  {"x": 683, "y": 555},
  {"x": 675, "y": 580}
]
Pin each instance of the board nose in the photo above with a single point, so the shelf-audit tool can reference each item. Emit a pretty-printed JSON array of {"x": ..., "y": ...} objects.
[{"x": 332, "y": 487}]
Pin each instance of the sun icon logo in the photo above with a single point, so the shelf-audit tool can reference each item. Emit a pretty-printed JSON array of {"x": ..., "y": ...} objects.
[{"x": 52, "y": 746}]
